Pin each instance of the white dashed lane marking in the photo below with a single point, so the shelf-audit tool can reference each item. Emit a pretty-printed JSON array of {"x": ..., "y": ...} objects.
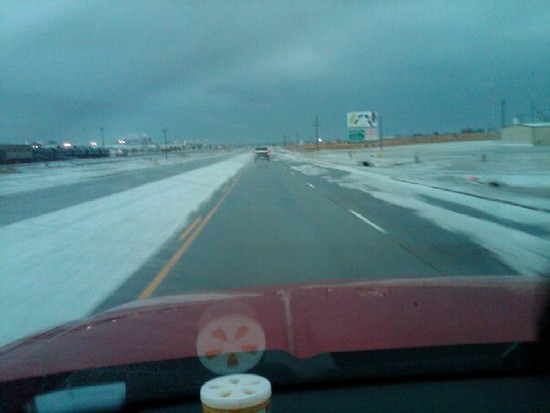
[{"x": 369, "y": 222}]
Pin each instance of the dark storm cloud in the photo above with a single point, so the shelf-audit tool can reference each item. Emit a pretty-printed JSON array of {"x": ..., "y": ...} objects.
[{"x": 246, "y": 71}]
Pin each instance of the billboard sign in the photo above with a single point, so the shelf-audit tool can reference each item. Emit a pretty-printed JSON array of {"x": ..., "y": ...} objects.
[
  {"x": 363, "y": 126},
  {"x": 362, "y": 119}
]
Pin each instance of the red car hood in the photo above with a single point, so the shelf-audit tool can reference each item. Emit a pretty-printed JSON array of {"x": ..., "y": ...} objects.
[{"x": 304, "y": 320}]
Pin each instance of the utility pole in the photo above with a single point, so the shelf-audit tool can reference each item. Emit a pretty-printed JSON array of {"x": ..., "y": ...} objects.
[
  {"x": 380, "y": 133},
  {"x": 502, "y": 114},
  {"x": 316, "y": 124},
  {"x": 102, "y": 138},
  {"x": 165, "y": 144}
]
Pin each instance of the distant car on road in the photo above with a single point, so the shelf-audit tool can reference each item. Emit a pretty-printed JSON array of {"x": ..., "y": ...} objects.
[{"x": 261, "y": 152}]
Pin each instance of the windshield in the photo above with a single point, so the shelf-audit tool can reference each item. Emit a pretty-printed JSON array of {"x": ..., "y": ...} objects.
[{"x": 151, "y": 150}]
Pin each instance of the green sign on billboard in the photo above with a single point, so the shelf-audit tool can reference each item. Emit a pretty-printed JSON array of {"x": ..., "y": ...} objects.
[{"x": 356, "y": 134}]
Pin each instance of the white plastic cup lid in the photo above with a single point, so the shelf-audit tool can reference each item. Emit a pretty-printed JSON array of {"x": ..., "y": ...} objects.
[{"x": 235, "y": 391}]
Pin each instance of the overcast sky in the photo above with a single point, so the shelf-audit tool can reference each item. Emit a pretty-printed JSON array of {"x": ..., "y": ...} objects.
[{"x": 252, "y": 71}]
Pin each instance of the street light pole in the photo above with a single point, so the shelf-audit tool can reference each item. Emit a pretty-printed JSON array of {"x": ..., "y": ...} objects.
[
  {"x": 165, "y": 144},
  {"x": 102, "y": 139}
]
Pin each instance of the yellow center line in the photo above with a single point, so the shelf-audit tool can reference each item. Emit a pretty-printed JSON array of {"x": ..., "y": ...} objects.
[
  {"x": 172, "y": 261},
  {"x": 185, "y": 233}
]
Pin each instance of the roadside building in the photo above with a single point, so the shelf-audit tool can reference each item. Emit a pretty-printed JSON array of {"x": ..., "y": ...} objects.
[{"x": 527, "y": 134}]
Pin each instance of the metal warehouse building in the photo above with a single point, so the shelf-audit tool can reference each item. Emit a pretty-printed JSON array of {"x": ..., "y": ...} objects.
[{"x": 527, "y": 133}]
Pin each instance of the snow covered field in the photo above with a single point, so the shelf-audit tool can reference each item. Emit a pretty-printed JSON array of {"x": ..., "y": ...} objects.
[
  {"x": 518, "y": 174},
  {"x": 46, "y": 279},
  {"x": 501, "y": 200}
]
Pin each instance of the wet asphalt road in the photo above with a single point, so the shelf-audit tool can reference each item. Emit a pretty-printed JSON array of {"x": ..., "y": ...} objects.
[{"x": 272, "y": 225}]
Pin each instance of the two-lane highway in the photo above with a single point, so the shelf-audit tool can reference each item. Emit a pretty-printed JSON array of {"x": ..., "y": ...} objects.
[{"x": 273, "y": 225}]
